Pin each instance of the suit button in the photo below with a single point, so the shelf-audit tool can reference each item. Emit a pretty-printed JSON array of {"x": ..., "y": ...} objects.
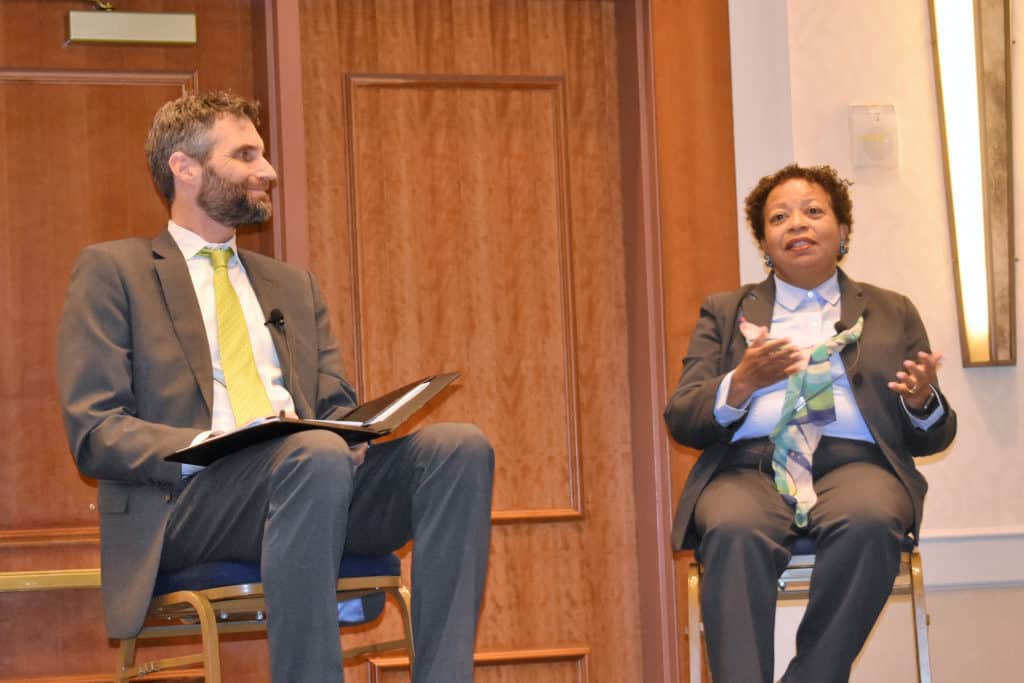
[
  {"x": 857, "y": 379},
  {"x": 168, "y": 498}
]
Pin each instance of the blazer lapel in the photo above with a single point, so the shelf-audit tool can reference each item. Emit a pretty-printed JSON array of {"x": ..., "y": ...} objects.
[
  {"x": 755, "y": 305},
  {"x": 759, "y": 303},
  {"x": 852, "y": 305},
  {"x": 272, "y": 295},
  {"x": 183, "y": 309}
]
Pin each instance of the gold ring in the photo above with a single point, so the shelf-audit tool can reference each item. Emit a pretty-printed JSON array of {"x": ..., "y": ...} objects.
[{"x": 912, "y": 390}]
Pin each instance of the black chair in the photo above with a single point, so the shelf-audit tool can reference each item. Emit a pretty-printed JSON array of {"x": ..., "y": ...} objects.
[
  {"x": 794, "y": 584},
  {"x": 227, "y": 597}
]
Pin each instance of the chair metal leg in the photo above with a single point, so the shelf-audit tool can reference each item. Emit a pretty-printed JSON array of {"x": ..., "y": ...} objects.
[
  {"x": 694, "y": 621},
  {"x": 241, "y": 609},
  {"x": 126, "y": 657},
  {"x": 401, "y": 596},
  {"x": 211, "y": 639},
  {"x": 924, "y": 667},
  {"x": 210, "y": 657},
  {"x": 405, "y": 605}
]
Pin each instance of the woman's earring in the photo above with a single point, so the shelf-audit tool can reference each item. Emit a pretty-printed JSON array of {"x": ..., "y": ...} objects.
[
  {"x": 768, "y": 261},
  {"x": 844, "y": 249}
]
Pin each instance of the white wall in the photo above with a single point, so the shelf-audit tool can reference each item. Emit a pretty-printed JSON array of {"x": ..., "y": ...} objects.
[{"x": 797, "y": 65}]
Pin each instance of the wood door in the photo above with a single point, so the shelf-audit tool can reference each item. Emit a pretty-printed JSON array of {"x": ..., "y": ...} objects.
[
  {"x": 465, "y": 214},
  {"x": 73, "y": 121}
]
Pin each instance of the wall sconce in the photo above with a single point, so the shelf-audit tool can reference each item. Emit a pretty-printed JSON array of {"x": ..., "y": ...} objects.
[{"x": 972, "y": 58}]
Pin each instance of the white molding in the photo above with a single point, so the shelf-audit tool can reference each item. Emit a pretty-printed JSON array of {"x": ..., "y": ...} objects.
[{"x": 964, "y": 559}]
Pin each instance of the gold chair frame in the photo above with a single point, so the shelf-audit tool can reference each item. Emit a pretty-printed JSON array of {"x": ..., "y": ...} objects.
[
  {"x": 794, "y": 584},
  {"x": 240, "y": 608}
]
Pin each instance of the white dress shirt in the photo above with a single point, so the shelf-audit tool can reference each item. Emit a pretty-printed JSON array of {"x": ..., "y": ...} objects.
[
  {"x": 200, "y": 270},
  {"x": 806, "y": 318}
]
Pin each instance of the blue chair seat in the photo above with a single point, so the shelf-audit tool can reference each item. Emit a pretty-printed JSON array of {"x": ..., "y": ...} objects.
[{"x": 226, "y": 573}]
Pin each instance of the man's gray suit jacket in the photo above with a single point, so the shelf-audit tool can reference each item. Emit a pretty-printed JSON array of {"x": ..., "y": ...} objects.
[
  {"x": 136, "y": 383},
  {"x": 893, "y": 332}
]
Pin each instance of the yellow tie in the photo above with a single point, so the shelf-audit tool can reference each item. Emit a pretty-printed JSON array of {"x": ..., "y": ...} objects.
[{"x": 246, "y": 392}]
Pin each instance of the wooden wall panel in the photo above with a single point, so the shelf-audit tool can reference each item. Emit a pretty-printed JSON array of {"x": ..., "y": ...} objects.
[
  {"x": 45, "y": 223},
  {"x": 72, "y": 125},
  {"x": 501, "y": 265},
  {"x": 460, "y": 219}
]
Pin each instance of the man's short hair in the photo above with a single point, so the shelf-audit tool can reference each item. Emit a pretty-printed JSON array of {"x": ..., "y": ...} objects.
[
  {"x": 826, "y": 177},
  {"x": 183, "y": 125}
]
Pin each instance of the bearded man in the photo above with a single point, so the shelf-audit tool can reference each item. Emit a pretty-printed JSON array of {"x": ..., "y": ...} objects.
[{"x": 166, "y": 341}]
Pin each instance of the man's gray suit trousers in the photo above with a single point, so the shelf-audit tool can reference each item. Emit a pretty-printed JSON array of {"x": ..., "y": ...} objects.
[{"x": 296, "y": 503}]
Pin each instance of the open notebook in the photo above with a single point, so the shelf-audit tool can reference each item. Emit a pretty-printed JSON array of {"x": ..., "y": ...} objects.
[{"x": 366, "y": 421}]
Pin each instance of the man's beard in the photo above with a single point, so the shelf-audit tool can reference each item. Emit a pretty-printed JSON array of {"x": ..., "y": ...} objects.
[{"x": 229, "y": 203}]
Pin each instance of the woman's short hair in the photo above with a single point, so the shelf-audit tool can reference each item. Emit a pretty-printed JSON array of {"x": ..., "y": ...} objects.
[
  {"x": 835, "y": 186},
  {"x": 183, "y": 125}
]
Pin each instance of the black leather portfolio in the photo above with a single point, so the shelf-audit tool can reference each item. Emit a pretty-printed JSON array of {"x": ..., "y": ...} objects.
[{"x": 366, "y": 421}]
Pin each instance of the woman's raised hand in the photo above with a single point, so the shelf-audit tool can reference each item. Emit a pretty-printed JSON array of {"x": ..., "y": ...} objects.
[{"x": 765, "y": 362}]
